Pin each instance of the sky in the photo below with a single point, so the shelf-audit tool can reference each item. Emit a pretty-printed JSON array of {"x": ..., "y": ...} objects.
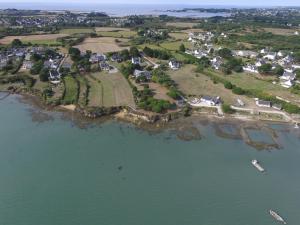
[{"x": 183, "y": 2}]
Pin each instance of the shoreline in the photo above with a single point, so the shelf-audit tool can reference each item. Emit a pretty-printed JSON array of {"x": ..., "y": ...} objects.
[
  {"x": 137, "y": 117},
  {"x": 184, "y": 128}
]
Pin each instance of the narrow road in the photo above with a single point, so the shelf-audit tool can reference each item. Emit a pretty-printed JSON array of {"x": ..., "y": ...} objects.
[{"x": 252, "y": 111}]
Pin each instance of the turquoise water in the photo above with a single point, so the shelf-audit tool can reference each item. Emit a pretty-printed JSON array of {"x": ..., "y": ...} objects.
[{"x": 54, "y": 173}]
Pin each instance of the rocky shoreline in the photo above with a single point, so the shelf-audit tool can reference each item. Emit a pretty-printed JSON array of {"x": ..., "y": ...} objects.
[{"x": 185, "y": 128}]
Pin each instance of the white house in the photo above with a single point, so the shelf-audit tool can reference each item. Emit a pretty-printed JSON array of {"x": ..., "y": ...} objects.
[
  {"x": 216, "y": 62},
  {"x": 287, "y": 79},
  {"x": 262, "y": 103},
  {"x": 286, "y": 84},
  {"x": 250, "y": 68},
  {"x": 174, "y": 65},
  {"x": 212, "y": 101},
  {"x": 136, "y": 60},
  {"x": 97, "y": 57},
  {"x": 104, "y": 66},
  {"x": 27, "y": 65},
  {"x": 242, "y": 53},
  {"x": 260, "y": 62},
  {"x": 270, "y": 56}
]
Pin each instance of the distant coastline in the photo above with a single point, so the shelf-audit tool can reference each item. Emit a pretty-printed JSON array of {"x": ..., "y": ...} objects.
[{"x": 116, "y": 10}]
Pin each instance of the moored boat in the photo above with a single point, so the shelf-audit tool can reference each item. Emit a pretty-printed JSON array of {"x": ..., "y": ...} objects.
[
  {"x": 276, "y": 216},
  {"x": 256, "y": 164}
]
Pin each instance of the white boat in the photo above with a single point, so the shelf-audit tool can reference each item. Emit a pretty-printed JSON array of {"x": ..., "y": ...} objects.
[
  {"x": 276, "y": 216},
  {"x": 296, "y": 126},
  {"x": 256, "y": 164}
]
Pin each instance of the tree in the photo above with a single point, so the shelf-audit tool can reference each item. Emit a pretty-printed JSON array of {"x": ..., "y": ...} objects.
[
  {"x": 174, "y": 93},
  {"x": 16, "y": 43},
  {"x": 278, "y": 70},
  {"x": 265, "y": 69},
  {"x": 228, "y": 85},
  {"x": 74, "y": 53},
  {"x": 238, "y": 91},
  {"x": 297, "y": 56},
  {"x": 225, "y": 53},
  {"x": 227, "y": 109},
  {"x": 134, "y": 52},
  {"x": 125, "y": 54},
  {"x": 182, "y": 48},
  {"x": 44, "y": 74},
  {"x": 37, "y": 67}
]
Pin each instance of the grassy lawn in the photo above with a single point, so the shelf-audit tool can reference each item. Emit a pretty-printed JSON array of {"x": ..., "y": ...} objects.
[
  {"x": 116, "y": 90},
  {"x": 117, "y": 34},
  {"x": 193, "y": 84},
  {"x": 107, "y": 89},
  {"x": 71, "y": 31},
  {"x": 71, "y": 90},
  {"x": 83, "y": 90},
  {"x": 174, "y": 45},
  {"x": 181, "y": 24},
  {"x": 250, "y": 81},
  {"x": 153, "y": 46},
  {"x": 179, "y": 35},
  {"x": 43, "y": 42},
  {"x": 95, "y": 97}
]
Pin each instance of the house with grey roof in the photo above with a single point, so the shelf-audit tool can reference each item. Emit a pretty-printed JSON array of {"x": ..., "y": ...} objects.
[
  {"x": 142, "y": 73},
  {"x": 212, "y": 101}
]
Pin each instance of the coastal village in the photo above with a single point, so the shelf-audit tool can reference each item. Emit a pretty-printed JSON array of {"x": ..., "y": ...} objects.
[{"x": 155, "y": 76}]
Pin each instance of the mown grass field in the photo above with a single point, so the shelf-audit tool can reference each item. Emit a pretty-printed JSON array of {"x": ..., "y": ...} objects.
[
  {"x": 117, "y": 34},
  {"x": 95, "y": 97},
  {"x": 102, "y": 44},
  {"x": 181, "y": 24},
  {"x": 71, "y": 90},
  {"x": 70, "y": 31},
  {"x": 174, "y": 45},
  {"x": 115, "y": 89},
  {"x": 100, "y": 29},
  {"x": 83, "y": 90},
  {"x": 194, "y": 84},
  {"x": 179, "y": 35},
  {"x": 250, "y": 81},
  {"x": 281, "y": 31},
  {"x": 34, "y": 39}
]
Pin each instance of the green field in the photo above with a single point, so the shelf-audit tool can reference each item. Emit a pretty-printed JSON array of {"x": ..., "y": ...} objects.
[
  {"x": 83, "y": 90},
  {"x": 117, "y": 34},
  {"x": 95, "y": 97},
  {"x": 174, "y": 45},
  {"x": 195, "y": 84},
  {"x": 71, "y": 31},
  {"x": 251, "y": 82},
  {"x": 43, "y": 42},
  {"x": 71, "y": 90}
]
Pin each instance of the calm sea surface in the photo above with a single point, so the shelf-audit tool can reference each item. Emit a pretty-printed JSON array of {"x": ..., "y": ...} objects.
[
  {"x": 116, "y": 9},
  {"x": 54, "y": 173}
]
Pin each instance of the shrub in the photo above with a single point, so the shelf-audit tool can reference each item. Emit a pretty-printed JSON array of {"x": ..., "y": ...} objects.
[
  {"x": 228, "y": 85},
  {"x": 227, "y": 109},
  {"x": 238, "y": 91}
]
